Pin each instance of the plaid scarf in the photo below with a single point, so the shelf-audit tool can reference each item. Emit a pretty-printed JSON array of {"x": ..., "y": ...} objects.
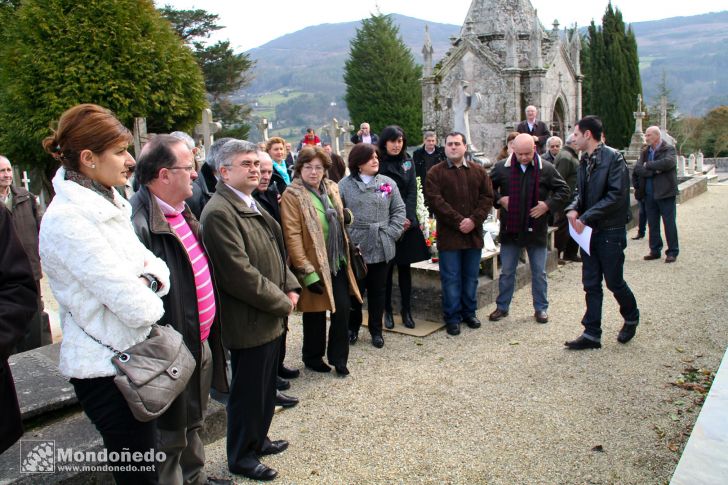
[{"x": 514, "y": 222}]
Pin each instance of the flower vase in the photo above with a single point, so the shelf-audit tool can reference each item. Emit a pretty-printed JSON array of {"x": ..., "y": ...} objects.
[{"x": 433, "y": 252}]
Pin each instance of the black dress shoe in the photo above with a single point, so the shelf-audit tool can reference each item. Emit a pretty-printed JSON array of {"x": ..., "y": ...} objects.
[
  {"x": 497, "y": 315},
  {"x": 353, "y": 337},
  {"x": 378, "y": 341},
  {"x": 638, "y": 236},
  {"x": 541, "y": 316},
  {"x": 670, "y": 259},
  {"x": 275, "y": 447},
  {"x": 285, "y": 400},
  {"x": 388, "y": 320},
  {"x": 258, "y": 472},
  {"x": 319, "y": 367},
  {"x": 472, "y": 322},
  {"x": 573, "y": 259},
  {"x": 626, "y": 334},
  {"x": 288, "y": 373},
  {"x": 651, "y": 256},
  {"x": 453, "y": 329},
  {"x": 407, "y": 319},
  {"x": 582, "y": 343},
  {"x": 342, "y": 370},
  {"x": 282, "y": 384}
]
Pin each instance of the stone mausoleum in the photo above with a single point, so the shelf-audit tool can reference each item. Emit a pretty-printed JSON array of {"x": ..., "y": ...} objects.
[{"x": 502, "y": 61}]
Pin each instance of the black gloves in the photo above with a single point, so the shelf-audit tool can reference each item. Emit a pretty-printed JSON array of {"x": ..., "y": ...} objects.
[{"x": 316, "y": 287}]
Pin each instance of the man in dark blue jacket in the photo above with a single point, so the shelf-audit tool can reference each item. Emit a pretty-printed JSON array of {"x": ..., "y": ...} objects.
[{"x": 602, "y": 203}]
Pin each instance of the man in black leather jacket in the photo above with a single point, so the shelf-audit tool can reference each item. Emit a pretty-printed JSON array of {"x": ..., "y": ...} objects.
[{"x": 602, "y": 202}]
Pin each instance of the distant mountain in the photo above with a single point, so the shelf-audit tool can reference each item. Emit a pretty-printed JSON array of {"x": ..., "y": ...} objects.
[
  {"x": 692, "y": 53},
  {"x": 690, "y": 50},
  {"x": 313, "y": 58}
]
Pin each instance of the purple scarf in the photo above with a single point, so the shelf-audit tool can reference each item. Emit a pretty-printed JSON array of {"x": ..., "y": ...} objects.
[{"x": 514, "y": 221}]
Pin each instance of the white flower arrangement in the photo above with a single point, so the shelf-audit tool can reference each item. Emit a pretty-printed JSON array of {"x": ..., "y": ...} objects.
[{"x": 422, "y": 213}]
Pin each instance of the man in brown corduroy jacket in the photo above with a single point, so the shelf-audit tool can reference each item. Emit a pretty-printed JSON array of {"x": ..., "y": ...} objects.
[{"x": 461, "y": 196}]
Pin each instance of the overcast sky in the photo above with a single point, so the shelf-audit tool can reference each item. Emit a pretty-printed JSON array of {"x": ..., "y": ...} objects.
[{"x": 253, "y": 23}]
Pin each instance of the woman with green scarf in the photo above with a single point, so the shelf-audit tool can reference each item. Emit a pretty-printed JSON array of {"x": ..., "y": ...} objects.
[{"x": 312, "y": 216}]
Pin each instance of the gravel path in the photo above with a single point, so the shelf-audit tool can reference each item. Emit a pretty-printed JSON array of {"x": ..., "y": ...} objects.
[{"x": 506, "y": 404}]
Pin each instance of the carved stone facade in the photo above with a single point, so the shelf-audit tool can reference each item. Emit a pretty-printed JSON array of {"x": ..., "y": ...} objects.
[{"x": 501, "y": 62}]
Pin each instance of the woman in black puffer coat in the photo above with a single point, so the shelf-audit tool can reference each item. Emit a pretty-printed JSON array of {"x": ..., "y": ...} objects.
[{"x": 396, "y": 164}]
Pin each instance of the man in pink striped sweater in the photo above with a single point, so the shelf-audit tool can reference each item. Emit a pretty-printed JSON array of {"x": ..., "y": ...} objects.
[{"x": 165, "y": 224}]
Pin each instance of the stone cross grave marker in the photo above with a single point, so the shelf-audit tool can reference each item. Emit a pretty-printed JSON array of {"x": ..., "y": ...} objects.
[
  {"x": 207, "y": 129},
  {"x": 26, "y": 181},
  {"x": 264, "y": 126},
  {"x": 638, "y": 115}
]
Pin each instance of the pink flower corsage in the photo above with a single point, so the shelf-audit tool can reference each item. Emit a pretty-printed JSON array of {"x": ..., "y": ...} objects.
[{"x": 386, "y": 190}]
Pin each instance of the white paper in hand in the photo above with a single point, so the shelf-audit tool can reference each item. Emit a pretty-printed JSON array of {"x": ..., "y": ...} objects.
[{"x": 582, "y": 239}]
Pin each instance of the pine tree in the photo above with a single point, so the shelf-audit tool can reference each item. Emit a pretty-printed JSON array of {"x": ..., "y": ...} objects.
[
  {"x": 654, "y": 111},
  {"x": 612, "y": 63},
  {"x": 225, "y": 72},
  {"x": 382, "y": 79}
]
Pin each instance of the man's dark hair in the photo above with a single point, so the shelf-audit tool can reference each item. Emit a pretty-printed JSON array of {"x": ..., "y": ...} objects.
[
  {"x": 592, "y": 124},
  {"x": 456, "y": 133},
  {"x": 156, "y": 155}
]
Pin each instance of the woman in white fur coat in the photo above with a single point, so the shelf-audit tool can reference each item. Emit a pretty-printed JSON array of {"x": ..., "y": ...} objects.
[{"x": 108, "y": 285}]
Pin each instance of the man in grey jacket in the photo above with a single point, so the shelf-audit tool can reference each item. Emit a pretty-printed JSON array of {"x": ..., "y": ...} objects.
[{"x": 657, "y": 172}]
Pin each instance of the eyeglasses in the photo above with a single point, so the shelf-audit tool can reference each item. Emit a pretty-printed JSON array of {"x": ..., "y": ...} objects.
[
  {"x": 247, "y": 164},
  {"x": 313, "y": 168},
  {"x": 189, "y": 168}
]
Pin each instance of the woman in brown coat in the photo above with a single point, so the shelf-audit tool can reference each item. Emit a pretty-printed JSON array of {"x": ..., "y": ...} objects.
[{"x": 313, "y": 227}]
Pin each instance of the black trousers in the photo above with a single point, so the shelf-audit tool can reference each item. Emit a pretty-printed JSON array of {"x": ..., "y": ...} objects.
[
  {"x": 282, "y": 351},
  {"x": 314, "y": 327},
  {"x": 404, "y": 278},
  {"x": 108, "y": 411},
  {"x": 251, "y": 403},
  {"x": 374, "y": 287}
]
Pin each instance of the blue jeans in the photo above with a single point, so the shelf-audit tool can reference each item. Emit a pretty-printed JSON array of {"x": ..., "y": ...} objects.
[
  {"x": 506, "y": 283},
  {"x": 666, "y": 209},
  {"x": 459, "y": 277},
  {"x": 606, "y": 261}
]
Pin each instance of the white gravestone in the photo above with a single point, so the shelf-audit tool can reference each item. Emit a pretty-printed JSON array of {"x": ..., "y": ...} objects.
[{"x": 680, "y": 165}]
